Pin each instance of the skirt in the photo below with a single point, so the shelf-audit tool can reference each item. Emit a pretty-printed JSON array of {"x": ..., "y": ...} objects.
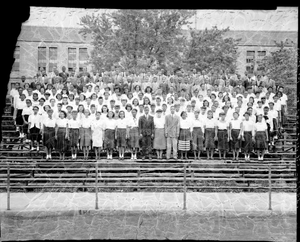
[
  {"x": 19, "y": 118},
  {"x": 134, "y": 137},
  {"x": 121, "y": 137},
  {"x": 109, "y": 139},
  {"x": 197, "y": 138},
  {"x": 25, "y": 126},
  {"x": 85, "y": 137},
  {"x": 209, "y": 138},
  {"x": 223, "y": 140},
  {"x": 74, "y": 137},
  {"x": 235, "y": 142},
  {"x": 184, "y": 141},
  {"x": 159, "y": 142},
  {"x": 49, "y": 137},
  {"x": 248, "y": 143},
  {"x": 35, "y": 134},
  {"x": 61, "y": 143},
  {"x": 261, "y": 140}
]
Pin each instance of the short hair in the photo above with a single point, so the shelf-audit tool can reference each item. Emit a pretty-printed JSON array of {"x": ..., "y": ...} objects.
[
  {"x": 236, "y": 113},
  {"x": 120, "y": 113},
  {"x": 35, "y": 107},
  {"x": 65, "y": 114},
  {"x": 182, "y": 113},
  {"x": 110, "y": 112}
]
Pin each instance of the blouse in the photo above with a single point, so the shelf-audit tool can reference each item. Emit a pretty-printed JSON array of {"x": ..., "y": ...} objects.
[
  {"x": 97, "y": 124},
  {"x": 248, "y": 125},
  {"x": 235, "y": 124},
  {"x": 185, "y": 124},
  {"x": 35, "y": 121},
  {"x": 110, "y": 123},
  {"x": 62, "y": 122},
  {"x": 121, "y": 123},
  {"x": 74, "y": 124},
  {"x": 134, "y": 122},
  {"x": 49, "y": 122},
  {"x": 27, "y": 110},
  {"x": 210, "y": 123},
  {"x": 197, "y": 123},
  {"x": 260, "y": 126},
  {"x": 222, "y": 125},
  {"x": 85, "y": 122},
  {"x": 159, "y": 123}
]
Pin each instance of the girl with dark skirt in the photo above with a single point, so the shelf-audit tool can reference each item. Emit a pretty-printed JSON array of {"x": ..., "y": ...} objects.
[
  {"x": 85, "y": 133},
  {"x": 122, "y": 133},
  {"x": 61, "y": 134},
  {"x": 48, "y": 133},
  {"x": 159, "y": 142},
  {"x": 19, "y": 104},
  {"x": 197, "y": 135},
  {"x": 184, "y": 140},
  {"x": 223, "y": 136},
  {"x": 247, "y": 136},
  {"x": 25, "y": 114},
  {"x": 34, "y": 127},
  {"x": 134, "y": 136},
  {"x": 73, "y": 125},
  {"x": 235, "y": 127},
  {"x": 109, "y": 137},
  {"x": 261, "y": 137},
  {"x": 210, "y": 134}
]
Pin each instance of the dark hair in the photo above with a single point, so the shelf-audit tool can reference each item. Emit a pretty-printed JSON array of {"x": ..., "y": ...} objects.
[
  {"x": 62, "y": 111},
  {"x": 120, "y": 113},
  {"x": 182, "y": 113},
  {"x": 102, "y": 108},
  {"x": 110, "y": 112}
]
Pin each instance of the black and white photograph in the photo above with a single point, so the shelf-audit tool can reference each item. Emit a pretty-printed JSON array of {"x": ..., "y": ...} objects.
[{"x": 151, "y": 124}]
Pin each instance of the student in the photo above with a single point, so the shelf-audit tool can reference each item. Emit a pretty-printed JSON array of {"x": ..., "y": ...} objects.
[
  {"x": 235, "y": 127},
  {"x": 19, "y": 105},
  {"x": 210, "y": 134},
  {"x": 97, "y": 134},
  {"x": 109, "y": 137},
  {"x": 159, "y": 142},
  {"x": 197, "y": 135},
  {"x": 184, "y": 139},
  {"x": 61, "y": 134},
  {"x": 247, "y": 136},
  {"x": 48, "y": 133},
  {"x": 74, "y": 125},
  {"x": 26, "y": 112},
  {"x": 134, "y": 134},
  {"x": 146, "y": 129},
  {"x": 34, "y": 127},
  {"x": 222, "y": 130},
  {"x": 261, "y": 137},
  {"x": 85, "y": 134},
  {"x": 121, "y": 134}
]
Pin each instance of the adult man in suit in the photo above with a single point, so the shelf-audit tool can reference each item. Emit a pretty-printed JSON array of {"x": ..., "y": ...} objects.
[
  {"x": 146, "y": 129},
  {"x": 172, "y": 132}
]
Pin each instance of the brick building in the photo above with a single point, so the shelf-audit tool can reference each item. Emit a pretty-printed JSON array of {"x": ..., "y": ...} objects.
[{"x": 51, "y": 37}]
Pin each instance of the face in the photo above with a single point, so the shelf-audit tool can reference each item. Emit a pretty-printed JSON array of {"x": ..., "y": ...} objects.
[
  {"x": 172, "y": 109},
  {"x": 146, "y": 110}
]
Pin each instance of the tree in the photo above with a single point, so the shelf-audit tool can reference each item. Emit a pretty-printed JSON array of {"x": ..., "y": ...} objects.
[
  {"x": 281, "y": 65},
  {"x": 136, "y": 39},
  {"x": 210, "y": 50}
]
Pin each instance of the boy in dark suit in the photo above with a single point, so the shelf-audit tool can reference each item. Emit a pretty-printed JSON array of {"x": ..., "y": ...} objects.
[{"x": 146, "y": 129}]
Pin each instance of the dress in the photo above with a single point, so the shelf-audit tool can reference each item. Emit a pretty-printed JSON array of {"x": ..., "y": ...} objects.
[
  {"x": 97, "y": 134},
  {"x": 61, "y": 144},
  {"x": 85, "y": 132},
  {"x": 159, "y": 142}
]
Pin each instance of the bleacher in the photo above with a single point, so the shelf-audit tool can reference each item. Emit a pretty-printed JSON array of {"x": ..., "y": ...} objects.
[{"x": 25, "y": 170}]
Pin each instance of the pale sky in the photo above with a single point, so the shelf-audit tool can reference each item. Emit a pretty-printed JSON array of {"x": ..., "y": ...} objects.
[{"x": 281, "y": 19}]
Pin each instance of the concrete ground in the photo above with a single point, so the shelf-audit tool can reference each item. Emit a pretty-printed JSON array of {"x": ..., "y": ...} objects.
[{"x": 209, "y": 216}]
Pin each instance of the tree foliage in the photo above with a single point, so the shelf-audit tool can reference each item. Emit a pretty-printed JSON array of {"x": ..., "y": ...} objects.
[
  {"x": 281, "y": 65},
  {"x": 210, "y": 50},
  {"x": 151, "y": 39}
]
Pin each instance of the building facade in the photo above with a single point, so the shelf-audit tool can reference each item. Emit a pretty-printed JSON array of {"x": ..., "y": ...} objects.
[{"x": 47, "y": 44}]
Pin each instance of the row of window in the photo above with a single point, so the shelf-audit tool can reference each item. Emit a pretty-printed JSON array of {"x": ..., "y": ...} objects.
[
  {"x": 252, "y": 59},
  {"x": 49, "y": 63}
]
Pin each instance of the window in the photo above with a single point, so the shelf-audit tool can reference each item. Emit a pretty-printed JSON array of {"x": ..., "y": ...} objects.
[
  {"x": 42, "y": 59},
  {"x": 250, "y": 56},
  {"x": 52, "y": 58},
  {"x": 72, "y": 59},
  {"x": 83, "y": 58},
  {"x": 16, "y": 65},
  {"x": 261, "y": 54}
]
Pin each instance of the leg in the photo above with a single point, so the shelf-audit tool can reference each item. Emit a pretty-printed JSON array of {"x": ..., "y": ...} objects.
[
  {"x": 169, "y": 146},
  {"x": 175, "y": 143}
]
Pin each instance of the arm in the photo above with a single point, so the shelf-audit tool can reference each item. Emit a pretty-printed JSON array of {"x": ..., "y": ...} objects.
[
  {"x": 229, "y": 131},
  {"x": 166, "y": 126},
  {"x": 67, "y": 131},
  {"x": 140, "y": 126},
  {"x": 56, "y": 129}
]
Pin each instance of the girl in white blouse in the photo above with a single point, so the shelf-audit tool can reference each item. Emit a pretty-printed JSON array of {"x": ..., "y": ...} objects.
[
  {"x": 109, "y": 138},
  {"x": 122, "y": 133},
  {"x": 235, "y": 128},
  {"x": 26, "y": 112},
  {"x": 74, "y": 124},
  {"x": 134, "y": 133},
  {"x": 85, "y": 133},
  {"x": 61, "y": 134},
  {"x": 247, "y": 136},
  {"x": 48, "y": 133},
  {"x": 223, "y": 135},
  {"x": 261, "y": 137},
  {"x": 34, "y": 127}
]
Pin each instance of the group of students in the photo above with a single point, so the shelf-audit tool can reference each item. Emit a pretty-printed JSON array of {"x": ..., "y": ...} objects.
[{"x": 131, "y": 116}]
